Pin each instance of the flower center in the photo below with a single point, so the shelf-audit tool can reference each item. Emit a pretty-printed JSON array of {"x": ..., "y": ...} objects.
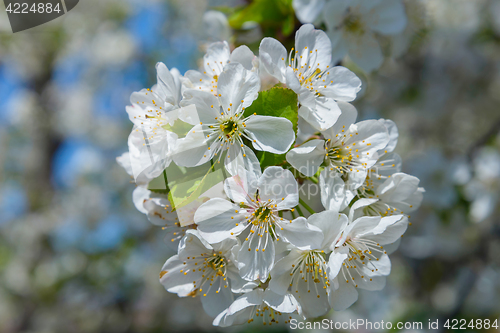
[
  {"x": 361, "y": 254},
  {"x": 268, "y": 315},
  {"x": 261, "y": 215},
  {"x": 213, "y": 267},
  {"x": 343, "y": 159},
  {"x": 312, "y": 270},
  {"x": 353, "y": 24},
  {"x": 217, "y": 263}
]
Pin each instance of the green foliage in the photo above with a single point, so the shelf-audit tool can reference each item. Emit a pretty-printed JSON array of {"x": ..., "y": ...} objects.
[
  {"x": 271, "y": 15},
  {"x": 275, "y": 102}
]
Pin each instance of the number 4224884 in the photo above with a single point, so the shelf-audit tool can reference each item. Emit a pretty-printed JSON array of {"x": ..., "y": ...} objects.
[{"x": 24, "y": 8}]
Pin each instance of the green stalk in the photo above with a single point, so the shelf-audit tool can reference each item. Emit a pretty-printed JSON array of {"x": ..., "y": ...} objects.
[
  {"x": 313, "y": 179},
  {"x": 306, "y": 206},
  {"x": 299, "y": 211}
]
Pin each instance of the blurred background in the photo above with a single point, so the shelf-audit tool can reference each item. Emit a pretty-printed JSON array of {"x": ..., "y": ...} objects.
[{"x": 75, "y": 254}]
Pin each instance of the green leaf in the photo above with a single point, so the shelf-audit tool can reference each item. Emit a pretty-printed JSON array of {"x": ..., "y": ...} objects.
[
  {"x": 270, "y": 14},
  {"x": 269, "y": 159},
  {"x": 276, "y": 102}
]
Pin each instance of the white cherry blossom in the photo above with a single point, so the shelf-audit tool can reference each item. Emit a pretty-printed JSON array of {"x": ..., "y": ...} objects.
[
  {"x": 359, "y": 259},
  {"x": 219, "y": 124},
  {"x": 393, "y": 192},
  {"x": 259, "y": 305},
  {"x": 348, "y": 150},
  {"x": 217, "y": 57},
  {"x": 254, "y": 212},
  {"x": 150, "y": 143},
  {"x": 306, "y": 273},
  {"x": 205, "y": 270},
  {"x": 311, "y": 75},
  {"x": 353, "y": 26}
]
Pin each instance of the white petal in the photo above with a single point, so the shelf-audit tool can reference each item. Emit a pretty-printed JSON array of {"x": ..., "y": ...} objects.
[
  {"x": 242, "y": 187},
  {"x": 381, "y": 267},
  {"x": 192, "y": 150},
  {"x": 313, "y": 46},
  {"x": 239, "y": 285},
  {"x": 308, "y": 10},
  {"x": 365, "y": 51},
  {"x": 218, "y": 218},
  {"x": 331, "y": 223},
  {"x": 282, "y": 303},
  {"x": 193, "y": 244},
  {"x": 173, "y": 278},
  {"x": 237, "y": 88},
  {"x": 363, "y": 202},
  {"x": 272, "y": 56},
  {"x": 300, "y": 233},
  {"x": 388, "y": 17},
  {"x": 344, "y": 296},
  {"x": 339, "y": 45},
  {"x": 311, "y": 305},
  {"x": 214, "y": 303},
  {"x": 392, "y": 129},
  {"x": 168, "y": 86},
  {"x": 389, "y": 229},
  {"x": 247, "y": 161},
  {"x": 216, "y": 58},
  {"x": 347, "y": 118},
  {"x": 362, "y": 225},
  {"x": 335, "y": 263},
  {"x": 196, "y": 80},
  {"x": 280, "y": 274},
  {"x": 411, "y": 203},
  {"x": 292, "y": 82},
  {"x": 304, "y": 130},
  {"x": 279, "y": 184},
  {"x": 150, "y": 153},
  {"x": 308, "y": 157},
  {"x": 207, "y": 107},
  {"x": 159, "y": 212},
  {"x": 244, "y": 56},
  {"x": 325, "y": 113},
  {"x": 256, "y": 265},
  {"x": 374, "y": 135},
  {"x": 124, "y": 161},
  {"x": 397, "y": 188},
  {"x": 334, "y": 13},
  {"x": 139, "y": 196},
  {"x": 333, "y": 191},
  {"x": 240, "y": 310},
  {"x": 272, "y": 134},
  {"x": 345, "y": 84}
]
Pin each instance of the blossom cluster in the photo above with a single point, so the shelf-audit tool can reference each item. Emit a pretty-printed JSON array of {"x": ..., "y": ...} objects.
[{"x": 244, "y": 244}]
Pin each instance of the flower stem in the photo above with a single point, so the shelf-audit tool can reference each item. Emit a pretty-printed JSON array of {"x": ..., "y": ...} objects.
[
  {"x": 306, "y": 206},
  {"x": 299, "y": 211},
  {"x": 313, "y": 179}
]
